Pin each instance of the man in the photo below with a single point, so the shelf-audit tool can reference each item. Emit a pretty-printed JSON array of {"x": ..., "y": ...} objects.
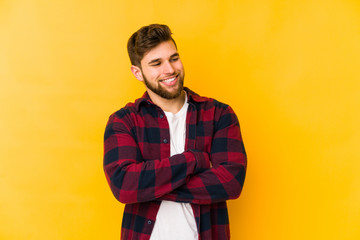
[{"x": 173, "y": 157}]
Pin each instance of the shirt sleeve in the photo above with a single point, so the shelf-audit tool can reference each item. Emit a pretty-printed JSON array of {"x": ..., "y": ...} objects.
[
  {"x": 225, "y": 179},
  {"x": 132, "y": 179}
]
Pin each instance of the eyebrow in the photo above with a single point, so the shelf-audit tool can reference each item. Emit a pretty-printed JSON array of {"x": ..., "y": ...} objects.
[{"x": 158, "y": 59}]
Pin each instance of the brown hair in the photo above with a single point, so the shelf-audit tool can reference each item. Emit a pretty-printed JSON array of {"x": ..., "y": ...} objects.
[{"x": 145, "y": 39}]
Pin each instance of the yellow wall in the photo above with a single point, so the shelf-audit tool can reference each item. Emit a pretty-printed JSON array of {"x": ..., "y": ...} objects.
[{"x": 290, "y": 70}]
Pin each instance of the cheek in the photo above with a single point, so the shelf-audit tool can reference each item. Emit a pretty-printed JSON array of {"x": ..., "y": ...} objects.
[
  {"x": 182, "y": 66},
  {"x": 179, "y": 66},
  {"x": 150, "y": 74},
  {"x": 154, "y": 75}
]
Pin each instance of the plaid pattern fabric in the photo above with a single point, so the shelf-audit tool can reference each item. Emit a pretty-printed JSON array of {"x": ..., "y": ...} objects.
[{"x": 141, "y": 173}]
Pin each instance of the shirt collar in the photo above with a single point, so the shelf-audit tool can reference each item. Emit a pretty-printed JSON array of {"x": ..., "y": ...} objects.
[{"x": 192, "y": 97}]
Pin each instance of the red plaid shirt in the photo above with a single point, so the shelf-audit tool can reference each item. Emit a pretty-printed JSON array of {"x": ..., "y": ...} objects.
[{"x": 141, "y": 173}]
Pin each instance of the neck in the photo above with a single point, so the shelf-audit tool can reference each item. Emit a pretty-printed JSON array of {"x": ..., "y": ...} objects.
[{"x": 168, "y": 105}]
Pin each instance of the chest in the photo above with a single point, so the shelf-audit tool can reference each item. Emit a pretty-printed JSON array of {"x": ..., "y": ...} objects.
[{"x": 153, "y": 133}]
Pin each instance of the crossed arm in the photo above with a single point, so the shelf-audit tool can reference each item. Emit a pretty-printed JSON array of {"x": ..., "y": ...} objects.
[{"x": 193, "y": 176}]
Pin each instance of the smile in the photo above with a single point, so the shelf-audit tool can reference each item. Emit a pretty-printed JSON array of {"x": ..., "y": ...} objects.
[{"x": 169, "y": 81}]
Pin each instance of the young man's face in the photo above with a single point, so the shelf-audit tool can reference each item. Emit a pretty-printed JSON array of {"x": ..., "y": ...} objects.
[{"x": 162, "y": 71}]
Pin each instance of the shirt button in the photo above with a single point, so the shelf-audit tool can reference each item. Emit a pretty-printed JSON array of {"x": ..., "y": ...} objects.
[
  {"x": 165, "y": 140},
  {"x": 149, "y": 222},
  {"x": 161, "y": 116}
]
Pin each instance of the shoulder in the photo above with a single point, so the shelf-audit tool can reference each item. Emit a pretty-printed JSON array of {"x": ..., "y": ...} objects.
[
  {"x": 123, "y": 112},
  {"x": 129, "y": 109},
  {"x": 212, "y": 109},
  {"x": 206, "y": 102},
  {"x": 125, "y": 116}
]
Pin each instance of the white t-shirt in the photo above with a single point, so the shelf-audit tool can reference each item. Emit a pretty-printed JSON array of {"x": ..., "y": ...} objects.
[{"x": 175, "y": 220}]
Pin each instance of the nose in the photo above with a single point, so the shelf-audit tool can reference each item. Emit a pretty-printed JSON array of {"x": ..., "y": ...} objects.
[{"x": 168, "y": 68}]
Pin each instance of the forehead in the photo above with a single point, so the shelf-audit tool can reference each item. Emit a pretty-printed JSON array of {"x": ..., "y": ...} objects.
[{"x": 162, "y": 51}]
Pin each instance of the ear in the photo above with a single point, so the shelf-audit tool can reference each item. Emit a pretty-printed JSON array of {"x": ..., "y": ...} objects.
[{"x": 137, "y": 72}]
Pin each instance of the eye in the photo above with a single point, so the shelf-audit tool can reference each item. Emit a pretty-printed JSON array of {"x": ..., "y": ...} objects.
[
  {"x": 155, "y": 64},
  {"x": 174, "y": 59}
]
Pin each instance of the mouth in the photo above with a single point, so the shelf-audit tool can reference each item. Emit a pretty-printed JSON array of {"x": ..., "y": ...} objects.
[{"x": 169, "y": 81}]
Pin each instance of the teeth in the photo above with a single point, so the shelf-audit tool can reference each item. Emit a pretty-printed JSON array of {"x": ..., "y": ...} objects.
[{"x": 169, "y": 80}]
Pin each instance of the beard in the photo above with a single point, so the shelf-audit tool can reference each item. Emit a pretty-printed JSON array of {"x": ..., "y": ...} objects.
[{"x": 162, "y": 92}]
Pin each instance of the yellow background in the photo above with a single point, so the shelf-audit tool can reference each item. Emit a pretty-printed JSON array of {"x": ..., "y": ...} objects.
[{"x": 290, "y": 70}]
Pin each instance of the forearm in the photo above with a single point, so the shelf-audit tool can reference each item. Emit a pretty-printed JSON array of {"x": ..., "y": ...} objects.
[
  {"x": 133, "y": 179},
  {"x": 225, "y": 179},
  {"x": 219, "y": 183}
]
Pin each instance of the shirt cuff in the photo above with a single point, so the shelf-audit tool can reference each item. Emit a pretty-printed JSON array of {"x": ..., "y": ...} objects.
[{"x": 202, "y": 160}]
